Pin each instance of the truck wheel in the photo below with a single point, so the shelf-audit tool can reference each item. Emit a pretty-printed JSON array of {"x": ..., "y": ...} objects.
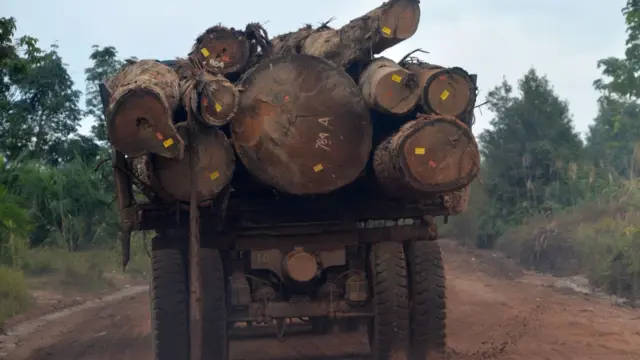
[
  {"x": 215, "y": 334},
  {"x": 427, "y": 291},
  {"x": 170, "y": 305},
  {"x": 389, "y": 327}
]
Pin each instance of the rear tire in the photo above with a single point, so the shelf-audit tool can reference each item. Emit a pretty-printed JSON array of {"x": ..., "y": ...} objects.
[
  {"x": 427, "y": 285},
  {"x": 389, "y": 327},
  {"x": 170, "y": 303}
]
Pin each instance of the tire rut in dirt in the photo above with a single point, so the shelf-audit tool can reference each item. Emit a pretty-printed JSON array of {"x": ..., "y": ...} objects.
[
  {"x": 427, "y": 284},
  {"x": 389, "y": 328}
]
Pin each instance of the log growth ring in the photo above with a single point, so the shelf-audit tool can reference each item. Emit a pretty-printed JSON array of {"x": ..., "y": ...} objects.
[{"x": 302, "y": 126}]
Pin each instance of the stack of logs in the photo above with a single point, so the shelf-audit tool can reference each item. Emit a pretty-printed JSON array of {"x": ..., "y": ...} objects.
[{"x": 300, "y": 109}]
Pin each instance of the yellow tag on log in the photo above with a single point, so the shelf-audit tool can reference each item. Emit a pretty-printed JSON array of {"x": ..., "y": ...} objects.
[
  {"x": 444, "y": 95},
  {"x": 167, "y": 142},
  {"x": 205, "y": 52},
  {"x": 396, "y": 78},
  {"x": 214, "y": 175},
  {"x": 386, "y": 30},
  {"x": 318, "y": 167},
  {"x": 218, "y": 107},
  {"x": 419, "y": 151}
]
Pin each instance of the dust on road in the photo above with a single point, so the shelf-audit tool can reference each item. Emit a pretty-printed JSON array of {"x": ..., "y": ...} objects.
[{"x": 496, "y": 311}]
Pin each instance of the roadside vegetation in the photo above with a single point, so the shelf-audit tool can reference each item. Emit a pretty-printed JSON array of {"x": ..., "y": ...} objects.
[{"x": 553, "y": 201}]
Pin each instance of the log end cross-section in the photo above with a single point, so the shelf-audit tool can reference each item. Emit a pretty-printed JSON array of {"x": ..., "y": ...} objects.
[
  {"x": 213, "y": 169},
  {"x": 429, "y": 155},
  {"x": 218, "y": 99},
  {"x": 222, "y": 50},
  {"x": 139, "y": 118},
  {"x": 302, "y": 126},
  {"x": 446, "y": 91}
]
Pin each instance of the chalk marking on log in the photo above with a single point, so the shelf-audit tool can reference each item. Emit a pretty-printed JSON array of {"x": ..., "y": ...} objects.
[
  {"x": 167, "y": 142},
  {"x": 322, "y": 141},
  {"x": 432, "y": 163},
  {"x": 325, "y": 121},
  {"x": 214, "y": 175},
  {"x": 419, "y": 151},
  {"x": 159, "y": 136},
  {"x": 396, "y": 78},
  {"x": 318, "y": 167},
  {"x": 218, "y": 107},
  {"x": 205, "y": 52}
]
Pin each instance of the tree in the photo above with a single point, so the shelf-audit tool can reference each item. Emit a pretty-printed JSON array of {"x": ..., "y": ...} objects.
[
  {"x": 529, "y": 153},
  {"x": 614, "y": 138},
  {"x": 42, "y": 105},
  {"x": 105, "y": 63}
]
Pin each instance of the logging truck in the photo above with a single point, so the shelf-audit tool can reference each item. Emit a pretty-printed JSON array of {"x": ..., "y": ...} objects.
[{"x": 294, "y": 180}]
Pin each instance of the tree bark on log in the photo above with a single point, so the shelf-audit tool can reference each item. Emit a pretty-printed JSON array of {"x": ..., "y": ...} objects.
[
  {"x": 430, "y": 155},
  {"x": 446, "y": 91},
  {"x": 389, "y": 88},
  {"x": 214, "y": 164},
  {"x": 457, "y": 202},
  {"x": 372, "y": 33},
  {"x": 143, "y": 98},
  {"x": 222, "y": 50},
  {"x": 302, "y": 126}
]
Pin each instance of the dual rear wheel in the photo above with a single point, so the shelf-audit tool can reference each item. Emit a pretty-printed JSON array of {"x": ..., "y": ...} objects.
[{"x": 408, "y": 298}]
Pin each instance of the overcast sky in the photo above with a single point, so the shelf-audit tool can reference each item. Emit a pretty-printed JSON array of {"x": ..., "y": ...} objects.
[{"x": 493, "y": 38}]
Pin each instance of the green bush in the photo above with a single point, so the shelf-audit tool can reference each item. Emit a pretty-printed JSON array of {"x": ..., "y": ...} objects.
[{"x": 14, "y": 296}]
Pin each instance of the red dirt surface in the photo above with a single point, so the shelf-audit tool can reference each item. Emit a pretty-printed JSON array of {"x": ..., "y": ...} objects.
[{"x": 496, "y": 311}]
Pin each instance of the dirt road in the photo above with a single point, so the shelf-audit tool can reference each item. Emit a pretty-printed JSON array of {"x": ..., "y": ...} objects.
[{"x": 496, "y": 311}]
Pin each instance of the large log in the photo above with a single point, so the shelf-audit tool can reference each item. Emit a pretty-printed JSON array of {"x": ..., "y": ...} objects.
[
  {"x": 212, "y": 98},
  {"x": 372, "y": 33},
  {"x": 446, "y": 91},
  {"x": 214, "y": 166},
  {"x": 302, "y": 126},
  {"x": 427, "y": 156},
  {"x": 389, "y": 88},
  {"x": 143, "y": 98}
]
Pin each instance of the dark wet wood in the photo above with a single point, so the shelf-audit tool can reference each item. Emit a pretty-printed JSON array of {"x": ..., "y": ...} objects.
[
  {"x": 389, "y": 88},
  {"x": 446, "y": 91},
  {"x": 372, "y": 33},
  {"x": 214, "y": 166},
  {"x": 143, "y": 98},
  {"x": 430, "y": 155},
  {"x": 222, "y": 50},
  {"x": 302, "y": 126}
]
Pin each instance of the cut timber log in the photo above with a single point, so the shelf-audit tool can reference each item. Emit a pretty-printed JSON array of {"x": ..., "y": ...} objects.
[
  {"x": 372, "y": 33},
  {"x": 389, "y": 88},
  {"x": 430, "y": 155},
  {"x": 213, "y": 98},
  {"x": 214, "y": 167},
  {"x": 143, "y": 98},
  {"x": 446, "y": 91},
  {"x": 222, "y": 50},
  {"x": 302, "y": 126}
]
